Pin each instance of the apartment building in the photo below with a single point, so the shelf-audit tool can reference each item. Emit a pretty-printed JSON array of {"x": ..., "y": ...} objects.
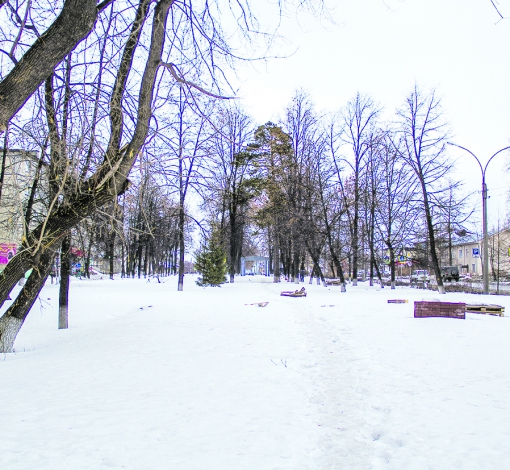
[
  {"x": 468, "y": 255},
  {"x": 19, "y": 172}
]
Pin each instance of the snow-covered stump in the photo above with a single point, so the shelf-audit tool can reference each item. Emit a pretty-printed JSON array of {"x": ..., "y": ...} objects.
[{"x": 9, "y": 329}]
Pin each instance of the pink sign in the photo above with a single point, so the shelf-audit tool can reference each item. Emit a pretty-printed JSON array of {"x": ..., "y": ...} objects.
[{"x": 7, "y": 251}]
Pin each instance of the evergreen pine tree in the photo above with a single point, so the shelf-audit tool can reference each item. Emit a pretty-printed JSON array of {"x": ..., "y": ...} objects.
[{"x": 211, "y": 262}]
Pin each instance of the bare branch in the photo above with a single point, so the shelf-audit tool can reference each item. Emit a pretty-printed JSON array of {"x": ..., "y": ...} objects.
[{"x": 179, "y": 78}]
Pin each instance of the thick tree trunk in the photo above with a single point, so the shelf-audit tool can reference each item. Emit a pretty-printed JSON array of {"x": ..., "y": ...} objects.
[
  {"x": 74, "y": 23},
  {"x": 65, "y": 273},
  {"x": 109, "y": 180},
  {"x": 12, "y": 320},
  {"x": 52, "y": 230}
]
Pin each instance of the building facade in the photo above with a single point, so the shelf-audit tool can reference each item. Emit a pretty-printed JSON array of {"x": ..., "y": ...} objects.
[
  {"x": 18, "y": 175},
  {"x": 468, "y": 256}
]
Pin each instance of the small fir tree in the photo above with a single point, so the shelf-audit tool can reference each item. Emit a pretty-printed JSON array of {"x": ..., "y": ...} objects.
[{"x": 211, "y": 262}]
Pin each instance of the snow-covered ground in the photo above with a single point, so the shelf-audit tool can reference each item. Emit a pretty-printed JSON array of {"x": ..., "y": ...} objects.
[{"x": 150, "y": 378}]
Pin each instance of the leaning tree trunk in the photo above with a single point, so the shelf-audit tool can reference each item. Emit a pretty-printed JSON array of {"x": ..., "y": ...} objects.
[
  {"x": 12, "y": 320},
  {"x": 317, "y": 268},
  {"x": 109, "y": 181},
  {"x": 337, "y": 264},
  {"x": 74, "y": 23},
  {"x": 65, "y": 273}
]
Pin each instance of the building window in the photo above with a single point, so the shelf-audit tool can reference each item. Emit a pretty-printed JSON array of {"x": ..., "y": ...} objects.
[
  {"x": 460, "y": 253},
  {"x": 473, "y": 268}
]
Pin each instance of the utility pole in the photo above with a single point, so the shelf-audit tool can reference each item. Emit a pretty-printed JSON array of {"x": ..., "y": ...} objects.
[{"x": 484, "y": 215}]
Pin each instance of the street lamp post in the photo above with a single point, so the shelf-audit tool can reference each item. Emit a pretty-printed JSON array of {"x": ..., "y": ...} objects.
[{"x": 484, "y": 215}]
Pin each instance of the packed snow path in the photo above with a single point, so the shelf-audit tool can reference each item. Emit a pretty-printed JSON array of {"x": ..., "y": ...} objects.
[{"x": 151, "y": 378}]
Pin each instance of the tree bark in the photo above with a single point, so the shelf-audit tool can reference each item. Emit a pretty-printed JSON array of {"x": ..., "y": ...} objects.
[
  {"x": 111, "y": 250},
  {"x": 74, "y": 23},
  {"x": 276, "y": 251},
  {"x": 65, "y": 273},
  {"x": 12, "y": 320},
  {"x": 180, "y": 281},
  {"x": 233, "y": 240}
]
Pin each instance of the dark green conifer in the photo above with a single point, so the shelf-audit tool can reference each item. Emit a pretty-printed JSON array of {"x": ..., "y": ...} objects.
[{"x": 211, "y": 261}]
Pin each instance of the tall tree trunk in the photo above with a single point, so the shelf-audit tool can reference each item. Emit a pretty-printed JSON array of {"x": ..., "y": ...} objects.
[
  {"x": 140, "y": 249},
  {"x": 295, "y": 265},
  {"x": 355, "y": 235},
  {"x": 146, "y": 260},
  {"x": 65, "y": 273},
  {"x": 123, "y": 264},
  {"x": 111, "y": 251},
  {"x": 392, "y": 264},
  {"x": 180, "y": 281},
  {"x": 233, "y": 244},
  {"x": 432, "y": 240},
  {"x": 335, "y": 258},
  {"x": 276, "y": 251},
  {"x": 4, "y": 162}
]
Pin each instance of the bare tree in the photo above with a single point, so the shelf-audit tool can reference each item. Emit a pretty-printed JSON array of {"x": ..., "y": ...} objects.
[
  {"x": 232, "y": 182},
  {"x": 358, "y": 119},
  {"x": 424, "y": 132},
  {"x": 397, "y": 208}
]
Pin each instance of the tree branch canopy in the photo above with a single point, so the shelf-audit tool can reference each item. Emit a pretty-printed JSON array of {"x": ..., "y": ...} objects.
[{"x": 74, "y": 23}]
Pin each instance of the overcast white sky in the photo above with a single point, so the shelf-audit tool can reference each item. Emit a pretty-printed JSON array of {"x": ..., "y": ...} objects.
[{"x": 381, "y": 48}]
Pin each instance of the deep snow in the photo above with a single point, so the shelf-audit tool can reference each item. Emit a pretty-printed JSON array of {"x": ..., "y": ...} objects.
[{"x": 150, "y": 378}]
